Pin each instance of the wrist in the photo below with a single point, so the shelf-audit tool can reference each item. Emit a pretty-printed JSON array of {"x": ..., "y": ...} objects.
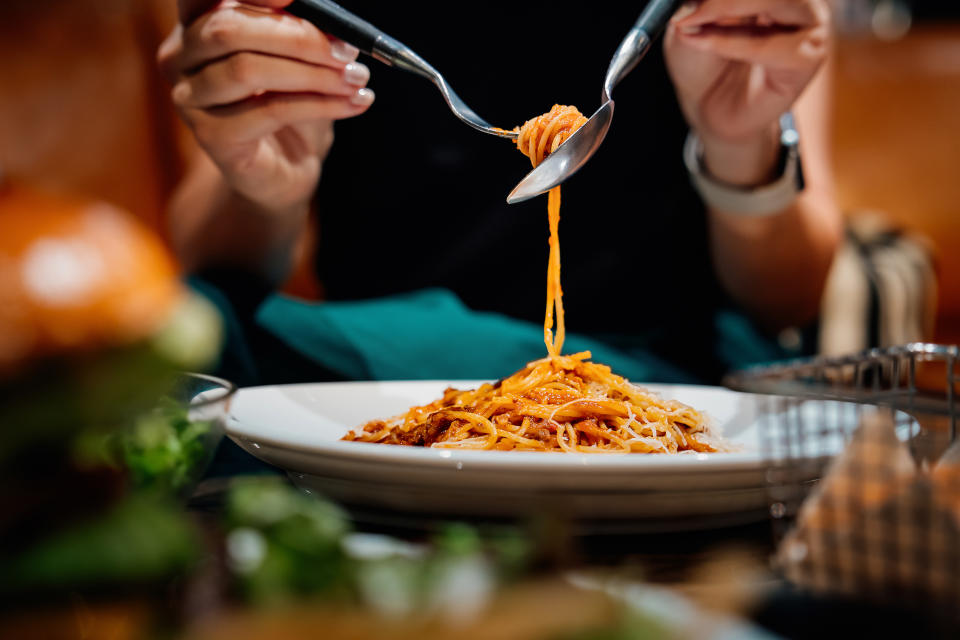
[
  {"x": 748, "y": 162},
  {"x": 260, "y": 202},
  {"x": 284, "y": 214},
  {"x": 761, "y": 198},
  {"x": 267, "y": 235}
]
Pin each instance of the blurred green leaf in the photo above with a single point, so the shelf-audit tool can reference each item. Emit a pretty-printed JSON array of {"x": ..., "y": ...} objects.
[
  {"x": 193, "y": 336},
  {"x": 105, "y": 390},
  {"x": 632, "y": 627},
  {"x": 93, "y": 394},
  {"x": 301, "y": 541},
  {"x": 513, "y": 552},
  {"x": 457, "y": 538},
  {"x": 282, "y": 542},
  {"x": 142, "y": 539},
  {"x": 165, "y": 450}
]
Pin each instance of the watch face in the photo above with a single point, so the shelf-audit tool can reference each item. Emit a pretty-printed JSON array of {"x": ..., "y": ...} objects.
[
  {"x": 789, "y": 136},
  {"x": 790, "y": 139}
]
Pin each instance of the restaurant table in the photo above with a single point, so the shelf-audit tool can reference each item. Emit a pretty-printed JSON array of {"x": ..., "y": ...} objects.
[{"x": 670, "y": 559}]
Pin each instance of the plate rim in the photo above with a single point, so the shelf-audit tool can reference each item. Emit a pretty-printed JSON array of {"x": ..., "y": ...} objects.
[{"x": 514, "y": 461}]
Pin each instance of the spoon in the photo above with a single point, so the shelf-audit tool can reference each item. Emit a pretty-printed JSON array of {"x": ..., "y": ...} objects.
[
  {"x": 577, "y": 149},
  {"x": 337, "y": 21}
]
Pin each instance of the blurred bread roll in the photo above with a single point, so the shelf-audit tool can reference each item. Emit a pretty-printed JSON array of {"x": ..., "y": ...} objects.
[{"x": 77, "y": 275}]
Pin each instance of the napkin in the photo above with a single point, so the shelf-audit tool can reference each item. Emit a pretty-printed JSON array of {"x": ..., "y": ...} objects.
[
  {"x": 430, "y": 334},
  {"x": 879, "y": 525}
]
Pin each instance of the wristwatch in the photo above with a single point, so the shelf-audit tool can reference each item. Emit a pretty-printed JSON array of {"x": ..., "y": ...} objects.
[{"x": 757, "y": 201}]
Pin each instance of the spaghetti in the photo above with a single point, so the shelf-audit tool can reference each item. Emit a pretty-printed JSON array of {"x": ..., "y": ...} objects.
[
  {"x": 538, "y": 138},
  {"x": 559, "y": 403}
]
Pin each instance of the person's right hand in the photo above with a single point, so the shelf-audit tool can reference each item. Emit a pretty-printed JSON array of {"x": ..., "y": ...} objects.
[{"x": 260, "y": 89}]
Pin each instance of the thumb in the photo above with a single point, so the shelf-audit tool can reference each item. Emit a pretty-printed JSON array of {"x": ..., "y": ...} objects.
[{"x": 190, "y": 10}]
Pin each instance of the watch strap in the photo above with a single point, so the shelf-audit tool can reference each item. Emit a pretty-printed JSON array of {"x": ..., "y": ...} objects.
[{"x": 763, "y": 200}]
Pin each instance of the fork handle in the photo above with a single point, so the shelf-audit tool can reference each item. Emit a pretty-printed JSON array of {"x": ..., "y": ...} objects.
[
  {"x": 337, "y": 21},
  {"x": 333, "y": 19}
]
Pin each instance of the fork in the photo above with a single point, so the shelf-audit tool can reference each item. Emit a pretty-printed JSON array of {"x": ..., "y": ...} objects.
[{"x": 337, "y": 21}]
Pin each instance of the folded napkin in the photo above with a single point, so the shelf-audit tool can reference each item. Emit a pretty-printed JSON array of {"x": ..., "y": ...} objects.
[
  {"x": 430, "y": 334},
  {"x": 879, "y": 525}
]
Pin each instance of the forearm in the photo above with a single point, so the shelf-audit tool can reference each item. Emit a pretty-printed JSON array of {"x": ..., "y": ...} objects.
[
  {"x": 737, "y": 67},
  {"x": 776, "y": 266},
  {"x": 260, "y": 91},
  {"x": 212, "y": 226}
]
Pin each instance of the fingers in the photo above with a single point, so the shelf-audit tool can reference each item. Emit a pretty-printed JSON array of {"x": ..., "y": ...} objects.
[
  {"x": 246, "y": 75},
  {"x": 239, "y": 52},
  {"x": 239, "y": 28},
  {"x": 802, "y": 49},
  {"x": 168, "y": 53},
  {"x": 258, "y": 117},
  {"x": 800, "y": 13},
  {"x": 739, "y": 104},
  {"x": 234, "y": 29},
  {"x": 190, "y": 10}
]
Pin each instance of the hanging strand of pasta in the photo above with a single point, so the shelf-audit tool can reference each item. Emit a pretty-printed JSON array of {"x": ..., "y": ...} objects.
[
  {"x": 554, "y": 290},
  {"x": 539, "y": 137}
]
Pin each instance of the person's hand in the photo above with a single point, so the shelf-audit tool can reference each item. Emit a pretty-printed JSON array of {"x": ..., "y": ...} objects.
[
  {"x": 260, "y": 89},
  {"x": 737, "y": 65}
]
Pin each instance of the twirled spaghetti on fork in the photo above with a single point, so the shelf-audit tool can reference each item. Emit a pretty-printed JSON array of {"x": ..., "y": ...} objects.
[{"x": 559, "y": 403}]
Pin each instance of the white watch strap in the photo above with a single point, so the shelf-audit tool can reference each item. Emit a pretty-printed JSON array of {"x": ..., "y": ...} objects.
[{"x": 759, "y": 201}]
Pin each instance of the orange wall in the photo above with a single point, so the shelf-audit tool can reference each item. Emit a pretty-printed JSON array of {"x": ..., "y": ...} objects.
[
  {"x": 897, "y": 141},
  {"x": 82, "y": 107}
]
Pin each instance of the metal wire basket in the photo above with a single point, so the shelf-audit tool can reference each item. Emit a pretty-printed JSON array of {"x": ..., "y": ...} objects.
[{"x": 863, "y": 471}]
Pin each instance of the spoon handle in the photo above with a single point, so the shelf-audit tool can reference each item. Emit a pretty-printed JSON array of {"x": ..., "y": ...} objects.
[
  {"x": 655, "y": 16},
  {"x": 635, "y": 45}
]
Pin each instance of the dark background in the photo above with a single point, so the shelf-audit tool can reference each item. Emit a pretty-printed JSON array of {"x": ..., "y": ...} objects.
[{"x": 935, "y": 9}]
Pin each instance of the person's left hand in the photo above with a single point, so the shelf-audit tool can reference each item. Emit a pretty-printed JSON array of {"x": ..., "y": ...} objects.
[{"x": 737, "y": 65}]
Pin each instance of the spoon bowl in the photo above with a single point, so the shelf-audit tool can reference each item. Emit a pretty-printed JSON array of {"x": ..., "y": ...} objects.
[
  {"x": 568, "y": 158},
  {"x": 578, "y": 148}
]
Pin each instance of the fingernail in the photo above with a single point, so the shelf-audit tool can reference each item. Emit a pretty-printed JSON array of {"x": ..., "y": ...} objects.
[
  {"x": 344, "y": 51},
  {"x": 362, "y": 98},
  {"x": 685, "y": 11},
  {"x": 691, "y": 30},
  {"x": 180, "y": 93},
  {"x": 356, "y": 74}
]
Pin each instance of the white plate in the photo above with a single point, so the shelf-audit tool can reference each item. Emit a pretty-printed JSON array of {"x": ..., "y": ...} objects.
[{"x": 298, "y": 428}]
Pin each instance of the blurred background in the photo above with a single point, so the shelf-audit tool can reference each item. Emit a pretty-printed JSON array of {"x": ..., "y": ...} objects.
[
  {"x": 84, "y": 111},
  {"x": 88, "y": 113}
]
